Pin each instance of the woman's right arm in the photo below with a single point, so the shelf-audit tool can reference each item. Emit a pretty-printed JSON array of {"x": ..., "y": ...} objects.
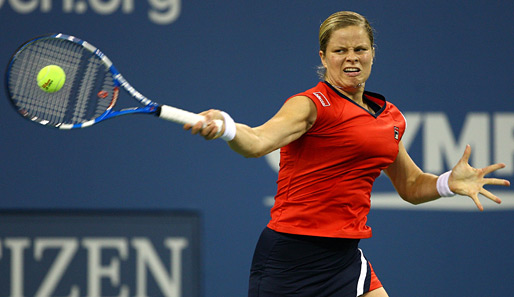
[{"x": 296, "y": 117}]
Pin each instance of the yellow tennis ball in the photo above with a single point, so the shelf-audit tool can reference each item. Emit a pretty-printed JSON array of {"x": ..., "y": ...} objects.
[{"x": 51, "y": 78}]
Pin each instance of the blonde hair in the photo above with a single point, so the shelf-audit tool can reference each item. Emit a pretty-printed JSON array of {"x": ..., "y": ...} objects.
[{"x": 336, "y": 21}]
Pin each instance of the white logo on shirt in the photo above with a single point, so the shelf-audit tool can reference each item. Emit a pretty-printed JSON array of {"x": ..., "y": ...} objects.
[{"x": 324, "y": 101}]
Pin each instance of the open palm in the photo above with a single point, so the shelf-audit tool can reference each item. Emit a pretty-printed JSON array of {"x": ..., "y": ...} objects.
[{"x": 468, "y": 181}]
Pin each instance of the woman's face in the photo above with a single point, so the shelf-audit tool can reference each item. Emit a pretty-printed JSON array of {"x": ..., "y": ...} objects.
[{"x": 348, "y": 58}]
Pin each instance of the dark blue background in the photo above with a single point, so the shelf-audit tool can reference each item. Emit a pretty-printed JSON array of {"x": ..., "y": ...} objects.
[{"x": 247, "y": 57}]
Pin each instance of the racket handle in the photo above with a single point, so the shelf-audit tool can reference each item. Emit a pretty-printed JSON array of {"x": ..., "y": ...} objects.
[{"x": 181, "y": 116}]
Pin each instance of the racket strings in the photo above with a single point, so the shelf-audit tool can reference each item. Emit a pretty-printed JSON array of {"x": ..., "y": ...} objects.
[
  {"x": 82, "y": 110},
  {"x": 76, "y": 102},
  {"x": 23, "y": 83}
]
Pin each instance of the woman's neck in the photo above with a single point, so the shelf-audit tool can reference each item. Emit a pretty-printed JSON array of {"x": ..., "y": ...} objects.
[{"x": 355, "y": 94}]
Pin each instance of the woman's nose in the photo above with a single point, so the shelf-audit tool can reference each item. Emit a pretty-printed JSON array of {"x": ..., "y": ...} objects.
[{"x": 352, "y": 57}]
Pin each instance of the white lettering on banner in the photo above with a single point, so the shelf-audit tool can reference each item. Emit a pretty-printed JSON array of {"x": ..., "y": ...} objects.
[
  {"x": 96, "y": 271},
  {"x": 68, "y": 248},
  {"x": 164, "y": 12},
  {"x": 17, "y": 245},
  {"x": 439, "y": 141},
  {"x": 504, "y": 141},
  {"x": 161, "y": 12},
  {"x": 491, "y": 137},
  {"x": 146, "y": 259}
]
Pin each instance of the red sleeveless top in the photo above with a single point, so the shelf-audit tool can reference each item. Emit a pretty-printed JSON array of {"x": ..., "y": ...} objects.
[{"x": 326, "y": 176}]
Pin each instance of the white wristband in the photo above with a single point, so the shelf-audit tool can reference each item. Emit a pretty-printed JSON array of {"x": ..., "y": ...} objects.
[
  {"x": 230, "y": 127},
  {"x": 442, "y": 185}
]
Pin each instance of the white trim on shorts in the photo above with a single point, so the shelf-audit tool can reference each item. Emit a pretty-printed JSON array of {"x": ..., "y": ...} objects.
[{"x": 362, "y": 276}]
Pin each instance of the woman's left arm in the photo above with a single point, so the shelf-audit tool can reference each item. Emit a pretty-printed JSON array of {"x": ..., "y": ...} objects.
[{"x": 416, "y": 186}]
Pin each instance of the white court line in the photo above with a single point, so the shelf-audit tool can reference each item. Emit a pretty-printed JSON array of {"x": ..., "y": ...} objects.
[
  {"x": 458, "y": 203},
  {"x": 391, "y": 201}
]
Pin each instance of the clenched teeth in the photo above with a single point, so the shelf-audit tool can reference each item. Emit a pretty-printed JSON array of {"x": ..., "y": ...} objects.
[{"x": 351, "y": 69}]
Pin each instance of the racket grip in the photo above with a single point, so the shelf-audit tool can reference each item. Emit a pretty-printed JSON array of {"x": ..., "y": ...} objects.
[{"x": 181, "y": 116}]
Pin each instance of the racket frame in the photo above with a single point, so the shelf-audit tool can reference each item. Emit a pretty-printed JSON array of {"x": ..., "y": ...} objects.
[{"x": 148, "y": 106}]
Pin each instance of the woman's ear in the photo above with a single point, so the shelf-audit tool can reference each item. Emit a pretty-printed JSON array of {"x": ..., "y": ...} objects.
[{"x": 322, "y": 57}]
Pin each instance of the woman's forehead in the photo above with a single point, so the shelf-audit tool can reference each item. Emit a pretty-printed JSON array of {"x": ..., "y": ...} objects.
[{"x": 350, "y": 35}]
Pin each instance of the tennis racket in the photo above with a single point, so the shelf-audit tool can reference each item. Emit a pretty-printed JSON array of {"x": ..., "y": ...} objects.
[{"x": 90, "y": 91}]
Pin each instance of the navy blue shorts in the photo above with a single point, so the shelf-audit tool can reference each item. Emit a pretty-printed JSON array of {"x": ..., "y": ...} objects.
[{"x": 296, "y": 265}]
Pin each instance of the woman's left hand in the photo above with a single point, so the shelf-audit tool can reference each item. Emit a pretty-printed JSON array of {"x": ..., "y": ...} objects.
[{"x": 468, "y": 181}]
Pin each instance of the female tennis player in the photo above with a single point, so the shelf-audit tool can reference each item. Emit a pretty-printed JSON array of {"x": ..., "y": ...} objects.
[{"x": 335, "y": 139}]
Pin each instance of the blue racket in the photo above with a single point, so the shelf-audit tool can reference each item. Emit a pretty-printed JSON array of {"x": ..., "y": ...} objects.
[{"x": 90, "y": 91}]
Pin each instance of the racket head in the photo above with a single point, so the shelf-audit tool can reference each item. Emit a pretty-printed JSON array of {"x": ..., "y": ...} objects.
[{"x": 88, "y": 94}]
